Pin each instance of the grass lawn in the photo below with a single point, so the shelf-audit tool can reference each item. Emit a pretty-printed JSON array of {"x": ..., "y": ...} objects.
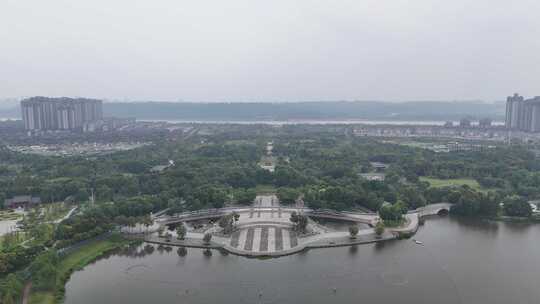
[
  {"x": 41, "y": 298},
  {"x": 438, "y": 183},
  {"x": 55, "y": 211},
  {"x": 60, "y": 180},
  {"x": 21, "y": 238},
  {"x": 9, "y": 216},
  {"x": 239, "y": 142},
  {"x": 74, "y": 261},
  {"x": 86, "y": 254}
]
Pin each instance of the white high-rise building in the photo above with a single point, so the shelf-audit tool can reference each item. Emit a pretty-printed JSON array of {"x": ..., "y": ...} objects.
[
  {"x": 43, "y": 113},
  {"x": 523, "y": 114}
]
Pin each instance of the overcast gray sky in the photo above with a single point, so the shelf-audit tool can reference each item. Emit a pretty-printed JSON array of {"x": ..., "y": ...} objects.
[{"x": 251, "y": 50}]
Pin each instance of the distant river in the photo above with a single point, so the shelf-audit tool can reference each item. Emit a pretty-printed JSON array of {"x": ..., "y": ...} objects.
[
  {"x": 318, "y": 122},
  {"x": 306, "y": 121},
  {"x": 461, "y": 261}
]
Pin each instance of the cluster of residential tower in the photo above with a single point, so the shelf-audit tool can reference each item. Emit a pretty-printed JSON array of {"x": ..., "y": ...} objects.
[{"x": 523, "y": 114}]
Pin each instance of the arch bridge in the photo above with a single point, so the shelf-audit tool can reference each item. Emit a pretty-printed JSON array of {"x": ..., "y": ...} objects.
[{"x": 433, "y": 209}]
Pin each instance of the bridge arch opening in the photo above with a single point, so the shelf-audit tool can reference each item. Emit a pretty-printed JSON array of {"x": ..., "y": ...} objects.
[{"x": 443, "y": 212}]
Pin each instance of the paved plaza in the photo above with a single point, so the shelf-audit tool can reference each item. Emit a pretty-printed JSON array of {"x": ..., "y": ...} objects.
[
  {"x": 264, "y": 239},
  {"x": 265, "y": 229}
]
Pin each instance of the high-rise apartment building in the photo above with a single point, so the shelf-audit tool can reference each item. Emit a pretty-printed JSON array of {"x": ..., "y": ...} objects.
[
  {"x": 523, "y": 114},
  {"x": 43, "y": 113}
]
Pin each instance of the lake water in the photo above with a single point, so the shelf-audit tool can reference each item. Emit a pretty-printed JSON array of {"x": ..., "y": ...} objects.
[{"x": 461, "y": 261}]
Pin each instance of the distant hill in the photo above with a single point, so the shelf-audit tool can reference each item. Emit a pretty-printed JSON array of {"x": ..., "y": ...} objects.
[
  {"x": 13, "y": 112},
  {"x": 337, "y": 110},
  {"x": 9, "y": 103},
  {"x": 305, "y": 110}
]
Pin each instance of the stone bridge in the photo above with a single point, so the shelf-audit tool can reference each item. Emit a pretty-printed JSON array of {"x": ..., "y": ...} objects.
[{"x": 433, "y": 209}]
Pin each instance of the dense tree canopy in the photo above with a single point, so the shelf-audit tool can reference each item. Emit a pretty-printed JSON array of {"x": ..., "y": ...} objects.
[
  {"x": 516, "y": 206},
  {"x": 321, "y": 165}
]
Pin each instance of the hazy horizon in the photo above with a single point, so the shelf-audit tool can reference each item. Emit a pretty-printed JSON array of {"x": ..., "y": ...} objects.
[
  {"x": 329, "y": 110},
  {"x": 280, "y": 51},
  {"x": 7, "y": 102}
]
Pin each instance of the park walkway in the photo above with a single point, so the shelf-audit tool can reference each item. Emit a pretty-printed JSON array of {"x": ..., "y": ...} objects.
[{"x": 265, "y": 228}]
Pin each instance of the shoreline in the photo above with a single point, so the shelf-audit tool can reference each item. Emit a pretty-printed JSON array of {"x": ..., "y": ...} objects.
[
  {"x": 318, "y": 244},
  {"x": 73, "y": 262}
]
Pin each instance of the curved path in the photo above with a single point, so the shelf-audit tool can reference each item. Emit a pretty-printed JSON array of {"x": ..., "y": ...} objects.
[{"x": 366, "y": 218}]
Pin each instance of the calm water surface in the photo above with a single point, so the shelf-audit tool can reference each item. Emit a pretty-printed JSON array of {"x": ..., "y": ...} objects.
[{"x": 460, "y": 262}]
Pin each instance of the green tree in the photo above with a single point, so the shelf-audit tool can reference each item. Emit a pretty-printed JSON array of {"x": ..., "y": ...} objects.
[
  {"x": 287, "y": 196},
  {"x": 468, "y": 202},
  {"x": 379, "y": 229},
  {"x": 236, "y": 216},
  {"x": 294, "y": 217},
  {"x": 147, "y": 221},
  {"x": 175, "y": 205},
  {"x": 207, "y": 238},
  {"x": 299, "y": 221},
  {"x": 132, "y": 166},
  {"x": 353, "y": 231},
  {"x": 245, "y": 196},
  {"x": 392, "y": 213},
  {"x": 181, "y": 231},
  {"x": 11, "y": 289},
  {"x": 41, "y": 232},
  {"x": 226, "y": 223},
  {"x": 516, "y": 206},
  {"x": 160, "y": 231},
  {"x": 412, "y": 197}
]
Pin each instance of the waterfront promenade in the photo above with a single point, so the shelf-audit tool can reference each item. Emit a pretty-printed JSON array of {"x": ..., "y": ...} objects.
[{"x": 268, "y": 231}]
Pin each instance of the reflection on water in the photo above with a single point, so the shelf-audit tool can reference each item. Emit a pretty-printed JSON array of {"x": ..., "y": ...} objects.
[
  {"x": 181, "y": 251},
  {"x": 460, "y": 261},
  {"x": 517, "y": 228},
  {"x": 353, "y": 249}
]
